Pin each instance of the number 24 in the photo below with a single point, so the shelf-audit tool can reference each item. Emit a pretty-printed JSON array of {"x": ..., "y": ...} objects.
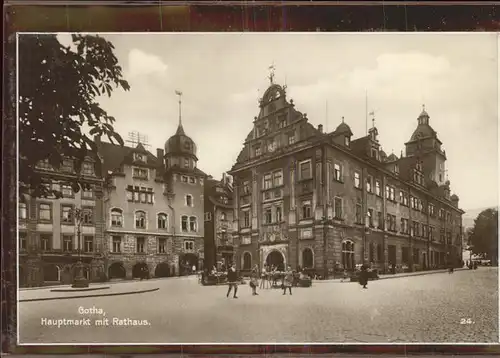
[{"x": 466, "y": 321}]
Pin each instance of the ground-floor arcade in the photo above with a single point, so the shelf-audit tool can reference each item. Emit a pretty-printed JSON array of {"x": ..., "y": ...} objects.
[
  {"x": 57, "y": 269},
  {"x": 342, "y": 248}
]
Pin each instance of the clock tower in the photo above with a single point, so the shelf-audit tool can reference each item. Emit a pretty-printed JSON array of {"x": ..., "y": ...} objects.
[{"x": 425, "y": 145}]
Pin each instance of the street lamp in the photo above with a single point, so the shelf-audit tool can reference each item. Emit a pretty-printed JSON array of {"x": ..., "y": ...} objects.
[
  {"x": 326, "y": 223},
  {"x": 79, "y": 281}
]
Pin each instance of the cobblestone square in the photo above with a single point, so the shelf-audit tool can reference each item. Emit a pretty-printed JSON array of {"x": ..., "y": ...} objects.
[{"x": 461, "y": 307}]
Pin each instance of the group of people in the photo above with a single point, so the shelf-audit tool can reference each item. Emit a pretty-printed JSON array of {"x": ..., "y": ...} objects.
[{"x": 264, "y": 276}]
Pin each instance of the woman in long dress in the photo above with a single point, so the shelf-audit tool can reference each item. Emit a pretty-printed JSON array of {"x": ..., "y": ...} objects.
[
  {"x": 363, "y": 276},
  {"x": 288, "y": 280},
  {"x": 263, "y": 278}
]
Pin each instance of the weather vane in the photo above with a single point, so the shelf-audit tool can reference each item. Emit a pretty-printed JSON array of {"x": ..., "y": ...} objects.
[
  {"x": 271, "y": 74},
  {"x": 372, "y": 114}
]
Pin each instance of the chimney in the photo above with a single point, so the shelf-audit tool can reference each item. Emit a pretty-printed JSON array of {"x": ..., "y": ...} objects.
[
  {"x": 320, "y": 128},
  {"x": 160, "y": 154}
]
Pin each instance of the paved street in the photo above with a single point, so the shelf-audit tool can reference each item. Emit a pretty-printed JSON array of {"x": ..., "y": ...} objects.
[{"x": 426, "y": 308}]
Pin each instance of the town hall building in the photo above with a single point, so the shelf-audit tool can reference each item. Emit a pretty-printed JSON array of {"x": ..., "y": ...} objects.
[{"x": 328, "y": 202}]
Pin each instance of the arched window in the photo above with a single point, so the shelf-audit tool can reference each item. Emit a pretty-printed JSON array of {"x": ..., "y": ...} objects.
[
  {"x": 140, "y": 220},
  {"x": 189, "y": 200},
  {"x": 184, "y": 223},
  {"x": 193, "y": 225},
  {"x": 307, "y": 258},
  {"x": 162, "y": 221},
  {"x": 247, "y": 261},
  {"x": 116, "y": 217},
  {"x": 223, "y": 216},
  {"x": 348, "y": 255}
]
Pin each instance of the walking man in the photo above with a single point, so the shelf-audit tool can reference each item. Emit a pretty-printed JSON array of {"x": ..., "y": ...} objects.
[
  {"x": 232, "y": 278},
  {"x": 254, "y": 280},
  {"x": 288, "y": 280}
]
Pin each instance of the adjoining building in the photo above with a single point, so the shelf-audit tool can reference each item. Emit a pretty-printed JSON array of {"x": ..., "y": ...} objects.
[
  {"x": 324, "y": 201},
  {"x": 153, "y": 208},
  {"x": 219, "y": 248},
  {"x": 143, "y": 213},
  {"x": 54, "y": 233}
]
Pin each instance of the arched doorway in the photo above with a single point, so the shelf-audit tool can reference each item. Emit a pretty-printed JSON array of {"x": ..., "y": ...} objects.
[
  {"x": 276, "y": 259},
  {"x": 51, "y": 273},
  {"x": 247, "y": 261},
  {"x": 116, "y": 270},
  {"x": 162, "y": 270},
  {"x": 307, "y": 258},
  {"x": 187, "y": 262},
  {"x": 140, "y": 270}
]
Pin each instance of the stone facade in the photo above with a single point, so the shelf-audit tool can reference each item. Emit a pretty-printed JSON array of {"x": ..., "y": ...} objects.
[
  {"x": 153, "y": 209},
  {"x": 319, "y": 200},
  {"x": 49, "y": 240}
]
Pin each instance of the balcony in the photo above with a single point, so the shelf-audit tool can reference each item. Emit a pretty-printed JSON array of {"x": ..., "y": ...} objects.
[{"x": 273, "y": 233}]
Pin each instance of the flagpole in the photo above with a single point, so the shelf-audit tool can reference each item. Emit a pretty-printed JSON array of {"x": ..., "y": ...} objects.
[
  {"x": 326, "y": 114},
  {"x": 366, "y": 111}
]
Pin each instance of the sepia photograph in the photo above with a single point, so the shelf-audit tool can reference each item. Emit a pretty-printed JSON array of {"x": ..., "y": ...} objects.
[{"x": 244, "y": 188}]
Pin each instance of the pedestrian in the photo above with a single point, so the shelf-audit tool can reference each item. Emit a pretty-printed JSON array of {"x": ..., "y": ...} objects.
[
  {"x": 363, "y": 276},
  {"x": 232, "y": 278},
  {"x": 288, "y": 280},
  {"x": 194, "y": 269},
  {"x": 254, "y": 280},
  {"x": 263, "y": 278}
]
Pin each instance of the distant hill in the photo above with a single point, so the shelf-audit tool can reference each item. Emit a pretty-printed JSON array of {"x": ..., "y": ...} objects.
[{"x": 470, "y": 215}]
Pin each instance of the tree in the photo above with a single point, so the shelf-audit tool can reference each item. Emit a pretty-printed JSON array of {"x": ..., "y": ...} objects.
[
  {"x": 58, "y": 91},
  {"x": 483, "y": 237}
]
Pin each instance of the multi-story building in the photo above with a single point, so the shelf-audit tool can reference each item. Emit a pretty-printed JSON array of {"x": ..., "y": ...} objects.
[
  {"x": 324, "y": 201},
  {"x": 219, "y": 249},
  {"x": 153, "y": 208},
  {"x": 52, "y": 238}
]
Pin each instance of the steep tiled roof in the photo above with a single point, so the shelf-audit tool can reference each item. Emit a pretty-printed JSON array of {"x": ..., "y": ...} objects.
[
  {"x": 114, "y": 156},
  {"x": 343, "y": 128}
]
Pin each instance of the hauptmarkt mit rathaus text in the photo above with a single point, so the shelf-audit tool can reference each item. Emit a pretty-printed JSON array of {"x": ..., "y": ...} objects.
[{"x": 115, "y": 321}]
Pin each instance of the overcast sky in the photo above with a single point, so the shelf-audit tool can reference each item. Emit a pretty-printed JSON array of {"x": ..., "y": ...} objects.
[{"x": 223, "y": 75}]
